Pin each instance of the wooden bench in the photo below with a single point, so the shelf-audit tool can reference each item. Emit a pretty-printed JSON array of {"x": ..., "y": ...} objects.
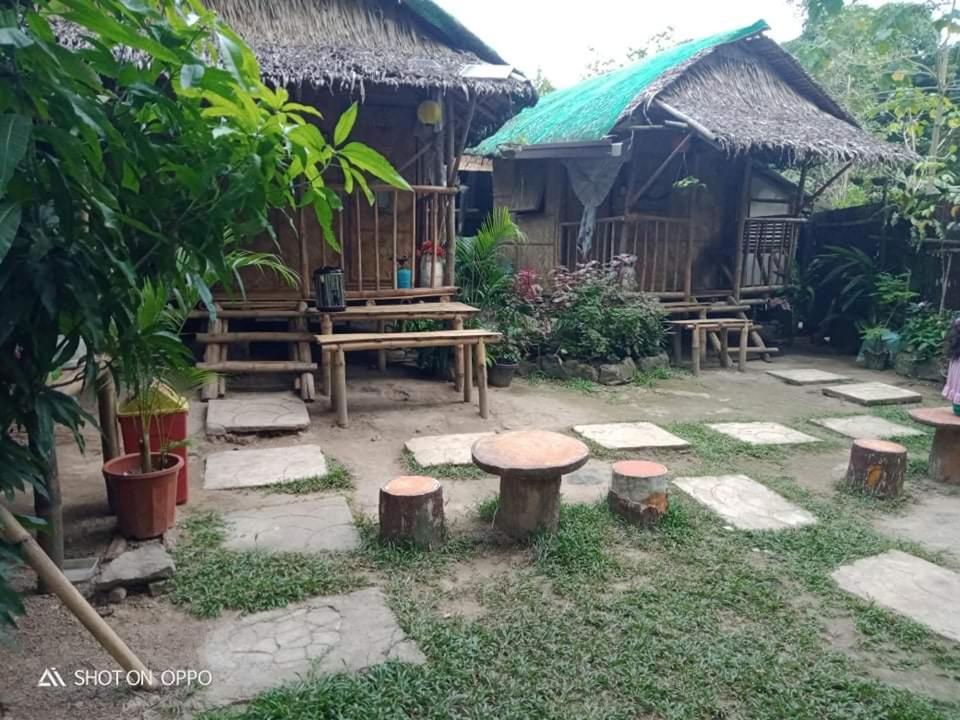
[
  {"x": 339, "y": 345},
  {"x": 718, "y": 328}
]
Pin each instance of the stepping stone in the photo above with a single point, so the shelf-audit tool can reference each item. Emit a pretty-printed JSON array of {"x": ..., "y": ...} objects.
[
  {"x": 265, "y": 466},
  {"x": 867, "y": 427},
  {"x": 924, "y": 592},
  {"x": 745, "y": 503},
  {"x": 80, "y": 570},
  {"x": 807, "y": 376},
  {"x": 311, "y": 526},
  {"x": 587, "y": 485},
  {"x": 630, "y": 436},
  {"x": 343, "y": 633},
  {"x": 873, "y": 393},
  {"x": 444, "y": 449},
  {"x": 256, "y": 412},
  {"x": 763, "y": 433},
  {"x": 137, "y": 567}
]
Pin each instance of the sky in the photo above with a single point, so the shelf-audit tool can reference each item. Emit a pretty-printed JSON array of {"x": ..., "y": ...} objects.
[{"x": 556, "y": 35}]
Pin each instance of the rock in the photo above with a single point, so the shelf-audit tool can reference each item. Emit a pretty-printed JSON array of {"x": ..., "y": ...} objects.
[
  {"x": 654, "y": 362},
  {"x": 158, "y": 588},
  {"x": 525, "y": 368},
  {"x": 617, "y": 373},
  {"x": 552, "y": 366},
  {"x": 117, "y": 595},
  {"x": 104, "y": 611},
  {"x": 139, "y": 566},
  {"x": 574, "y": 369}
]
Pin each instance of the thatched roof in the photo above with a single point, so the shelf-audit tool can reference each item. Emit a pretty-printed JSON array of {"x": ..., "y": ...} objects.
[
  {"x": 355, "y": 44},
  {"x": 739, "y": 89}
]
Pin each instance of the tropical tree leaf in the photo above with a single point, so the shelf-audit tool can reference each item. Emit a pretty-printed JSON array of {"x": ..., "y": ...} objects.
[
  {"x": 9, "y": 223},
  {"x": 345, "y": 125},
  {"x": 369, "y": 160},
  {"x": 14, "y": 137}
]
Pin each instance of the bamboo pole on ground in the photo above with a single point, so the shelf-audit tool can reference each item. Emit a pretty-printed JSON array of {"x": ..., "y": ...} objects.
[{"x": 51, "y": 576}]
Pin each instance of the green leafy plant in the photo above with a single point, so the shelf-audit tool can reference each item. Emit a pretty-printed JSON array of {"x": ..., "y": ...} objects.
[
  {"x": 925, "y": 332},
  {"x": 483, "y": 273},
  {"x": 593, "y": 318}
]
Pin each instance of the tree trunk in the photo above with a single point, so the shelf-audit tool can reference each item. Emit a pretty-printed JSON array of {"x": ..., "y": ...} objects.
[
  {"x": 411, "y": 511},
  {"x": 877, "y": 467},
  {"x": 638, "y": 491},
  {"x": 48, "y": 507}
]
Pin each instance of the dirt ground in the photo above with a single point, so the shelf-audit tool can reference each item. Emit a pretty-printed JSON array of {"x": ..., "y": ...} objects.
[{"x": 386, "y": 411}]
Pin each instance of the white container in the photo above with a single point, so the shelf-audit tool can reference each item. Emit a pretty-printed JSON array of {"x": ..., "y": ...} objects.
[{"x": 427, "y": 266}]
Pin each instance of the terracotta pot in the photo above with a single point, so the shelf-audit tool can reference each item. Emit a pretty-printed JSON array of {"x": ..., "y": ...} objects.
[{"x": 145, "y": 503}]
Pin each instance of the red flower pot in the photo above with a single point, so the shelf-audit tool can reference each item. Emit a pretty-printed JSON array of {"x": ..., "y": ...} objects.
[{"x": 145, "y": 503}]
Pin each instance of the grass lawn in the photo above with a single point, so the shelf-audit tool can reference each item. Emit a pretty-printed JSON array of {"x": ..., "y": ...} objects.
[{"x": 601, "y": 620}]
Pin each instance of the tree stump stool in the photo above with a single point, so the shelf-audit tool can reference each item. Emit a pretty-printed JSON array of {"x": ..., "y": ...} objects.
[
  {"x": 945, "y": 451},
  {"x": 411, "y": 511},
  {"x": 877, "y": 467},
  {"x": 638, "y": 491},
  {"x": 531, "y": 464}
]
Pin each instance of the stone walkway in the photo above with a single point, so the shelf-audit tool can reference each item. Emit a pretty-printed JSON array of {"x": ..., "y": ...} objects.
[
  {"x": 434, "y": 450},
  {"x": 244, "y": 468},
  {"x": 922, "y": 591},
  {"x": 745, "y": 503},
  {"x": 873, "y": 393},
  {"x": 808, "y": 376},
  {"x": 324, "y": 635},
  {"x": 867, "y": 426},
  {"x": 630, "y": 436},
  {"x": 305, "y": 526},
  {"x": 763, "y": 433},
  {"x": 256, "y": 412}
]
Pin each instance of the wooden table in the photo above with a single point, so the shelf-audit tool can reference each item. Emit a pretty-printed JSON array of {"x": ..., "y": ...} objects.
[
  {"x": 531, "y": 464},
  {"x": 945, "y": 451},
  {"x": 454, "y": 312},
  {"x": 699, "y": 330}
]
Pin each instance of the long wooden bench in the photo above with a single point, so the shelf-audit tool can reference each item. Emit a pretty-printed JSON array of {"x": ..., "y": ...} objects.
[{"x": 339, "y": 345}]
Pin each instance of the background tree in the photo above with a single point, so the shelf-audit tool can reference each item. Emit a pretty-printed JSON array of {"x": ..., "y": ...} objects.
[{"x": 146, "y": 147}]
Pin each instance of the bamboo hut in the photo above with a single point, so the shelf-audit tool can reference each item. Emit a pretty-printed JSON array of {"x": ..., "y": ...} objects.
[
  {"x": 669, "y": 161},
  {"x": 392, "y": 56}
]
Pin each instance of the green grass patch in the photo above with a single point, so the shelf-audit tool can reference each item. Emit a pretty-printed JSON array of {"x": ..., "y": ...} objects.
[
  {"x": 487, "y": 509},
  {"x": 649, "y": 378},
  {"x": 450, "y": 472},
  {"x": 338, "y": 477},
  {"x": 404, "y": 556},
  {"x": 211, "y": 579},
  {"x": 578, "y": 551}
]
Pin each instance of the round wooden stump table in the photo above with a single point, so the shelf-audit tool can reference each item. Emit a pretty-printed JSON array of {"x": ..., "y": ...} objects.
[
  {"x": 530, "y": 464},
  {"x": 945, "y": 452}
]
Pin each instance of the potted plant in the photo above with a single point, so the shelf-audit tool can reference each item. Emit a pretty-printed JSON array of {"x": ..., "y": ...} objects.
[
  {"x": 874, "y": 352},
  {"x": 504, "y": 357},
  {"x": 151, "y": 364},
  {"x": 431, "y": 264}
]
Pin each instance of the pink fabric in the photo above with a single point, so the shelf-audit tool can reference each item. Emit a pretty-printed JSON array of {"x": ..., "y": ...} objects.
[{"x": 951, "y": 391}]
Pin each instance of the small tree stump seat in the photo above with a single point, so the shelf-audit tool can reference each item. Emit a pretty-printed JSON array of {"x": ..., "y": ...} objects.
[
  {"x": 638, "y": 491},
  {"x": 411, "y": 511},
  {"x": 530, "y": 464},
  {"x": 945, "y": 451},
  {"x": 877, "y": 467}
]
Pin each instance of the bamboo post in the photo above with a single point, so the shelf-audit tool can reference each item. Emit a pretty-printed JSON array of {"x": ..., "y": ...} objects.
[
  {"x": 211, "y": 354},
  {"x": 435, "y": 236},
  {"x": 381, "y": 354},
  {"x": 308, "y": 390},
  {"x": 304, "y": 256},
  {"x": 359, "y": 246},
  {"x": 413, "y": 240},
  {"x": 480, "y": 361},
  {"x": 695, "y": 349},
  {"x": 394, "y": 227},
  {"x": 376, "y": 244},
  {"x": 743, "y": 212},
  {"x": 326, "y": 328},
  {"x": 744, "y": 340},
  {"x": 725, "y": 346},
  {"x": 340, "y": 382},
  {"x": 52, "y": 577},
  {"x": 107, "y": 411},
  {"x": 468, "y": 375},
  {"x": 457, "y": 324}
]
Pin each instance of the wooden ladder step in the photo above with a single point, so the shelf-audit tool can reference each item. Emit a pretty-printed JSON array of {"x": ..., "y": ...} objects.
[
  {"x": 242, "y": 337},
  {"x": 258, "y": 366}
]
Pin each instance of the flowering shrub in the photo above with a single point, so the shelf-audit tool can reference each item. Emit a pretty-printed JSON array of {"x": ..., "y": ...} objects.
[{"x": 593, "y": 318}]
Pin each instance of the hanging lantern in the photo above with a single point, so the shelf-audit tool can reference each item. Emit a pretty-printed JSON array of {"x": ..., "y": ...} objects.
[
  {"x": 429, "y": 112},
  {"x": 328, "y": 285}
]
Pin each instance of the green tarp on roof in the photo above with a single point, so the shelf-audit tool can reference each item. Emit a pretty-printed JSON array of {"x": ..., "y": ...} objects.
[{"x": 590, "y": 110}]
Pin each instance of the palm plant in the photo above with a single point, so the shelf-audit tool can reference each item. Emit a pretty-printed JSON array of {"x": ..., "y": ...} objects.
[{"x": 484, "y": 274}]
